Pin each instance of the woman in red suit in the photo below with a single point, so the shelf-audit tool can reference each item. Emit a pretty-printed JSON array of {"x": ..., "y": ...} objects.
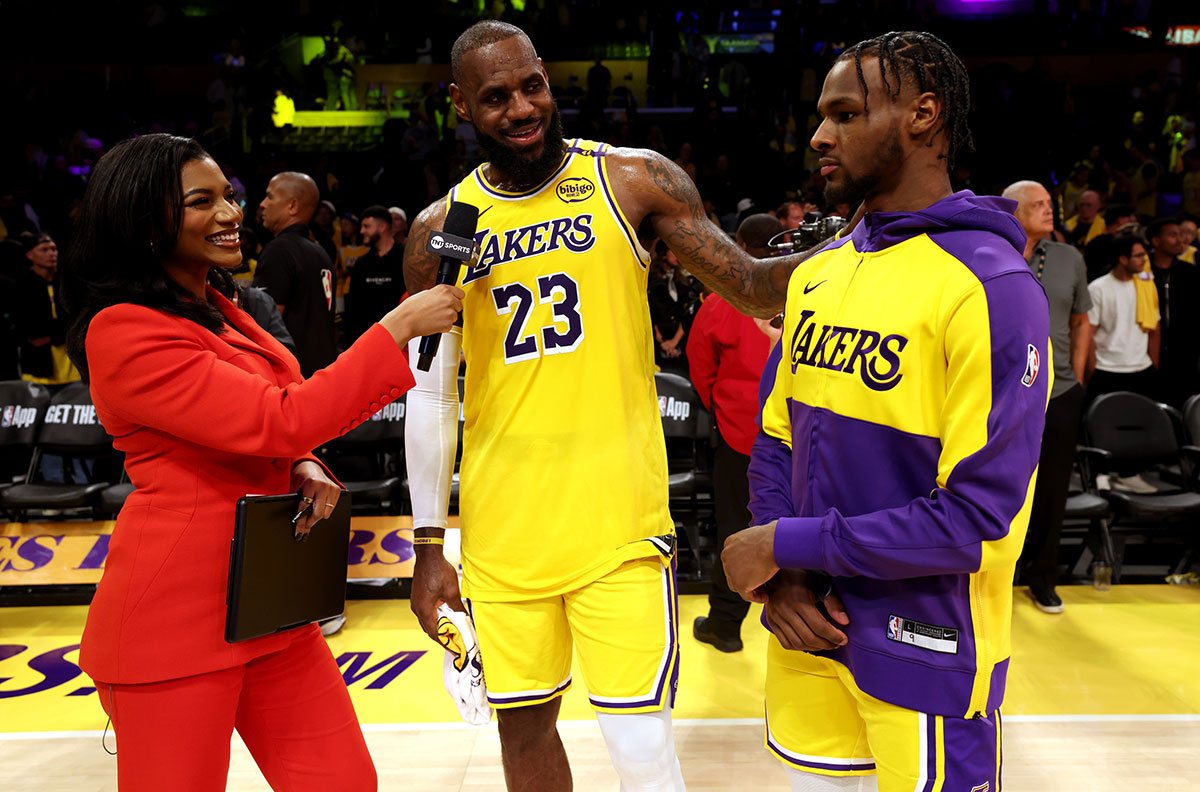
[{"x": 207, "y": 407}]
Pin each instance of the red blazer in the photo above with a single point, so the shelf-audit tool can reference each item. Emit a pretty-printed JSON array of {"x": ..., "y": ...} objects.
[
  {"x": 203, "y": 419},
  {"x": 726, "y": 355}
]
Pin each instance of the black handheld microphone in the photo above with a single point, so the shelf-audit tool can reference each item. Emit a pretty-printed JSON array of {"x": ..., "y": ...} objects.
[{"x": 455, "y": 245}]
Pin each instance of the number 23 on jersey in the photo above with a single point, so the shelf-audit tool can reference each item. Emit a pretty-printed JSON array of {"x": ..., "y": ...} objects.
[{"x": 517, "y": 300}]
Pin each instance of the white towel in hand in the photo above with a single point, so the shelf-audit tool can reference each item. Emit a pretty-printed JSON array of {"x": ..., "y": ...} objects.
[{"x": 462, "y": 671}]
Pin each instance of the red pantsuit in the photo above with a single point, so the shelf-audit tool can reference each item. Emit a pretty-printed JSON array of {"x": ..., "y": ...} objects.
[
  {"x": 290, "y": 707},
  {"x": 204, "y": 419}
]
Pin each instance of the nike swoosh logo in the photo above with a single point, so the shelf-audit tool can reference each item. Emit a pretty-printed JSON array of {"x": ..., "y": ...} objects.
[{"x": 810, "y": 287}]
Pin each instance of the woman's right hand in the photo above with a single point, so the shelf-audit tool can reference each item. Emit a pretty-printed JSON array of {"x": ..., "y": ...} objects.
[{"x": 425, "y": 313}]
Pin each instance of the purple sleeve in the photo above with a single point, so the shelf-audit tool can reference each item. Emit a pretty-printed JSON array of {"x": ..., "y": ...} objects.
[
  {"x": 770, "y": 470},
  {"x": 976, "y": 518}
]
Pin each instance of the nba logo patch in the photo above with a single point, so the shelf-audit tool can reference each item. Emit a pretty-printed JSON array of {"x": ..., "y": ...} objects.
[
  {"x": 894, "y": 627},
  {"x": 8, "y": 416},
  {"x": 1033, "y": 362}
]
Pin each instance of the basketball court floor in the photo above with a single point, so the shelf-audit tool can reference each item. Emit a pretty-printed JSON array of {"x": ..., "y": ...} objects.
[{"x": 1105, "y": 696}]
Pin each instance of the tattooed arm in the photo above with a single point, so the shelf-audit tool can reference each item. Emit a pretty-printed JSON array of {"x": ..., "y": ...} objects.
[
  {"x": 653, "y": 191},
  {"x": 421, "y": 266}
]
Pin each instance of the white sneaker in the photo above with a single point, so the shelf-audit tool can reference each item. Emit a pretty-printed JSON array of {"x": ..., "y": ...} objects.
[
  {"x": 332, "y": 626},
  {"x": 1134, "y": 484}
]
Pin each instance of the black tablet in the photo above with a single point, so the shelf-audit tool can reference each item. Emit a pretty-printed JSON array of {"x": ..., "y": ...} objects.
[{"x": 277, "y": 583}]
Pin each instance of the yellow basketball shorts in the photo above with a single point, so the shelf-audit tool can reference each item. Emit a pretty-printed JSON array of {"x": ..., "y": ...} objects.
[
  {"x": 623, "y": 627},
  {"x": 820, "y": 722}
]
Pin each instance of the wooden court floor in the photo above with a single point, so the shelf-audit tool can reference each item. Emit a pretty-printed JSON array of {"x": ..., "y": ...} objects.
[{"x": 1103, "y": 697}]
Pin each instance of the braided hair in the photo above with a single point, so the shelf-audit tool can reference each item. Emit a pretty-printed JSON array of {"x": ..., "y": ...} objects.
[{"x": 927, "y": 60}]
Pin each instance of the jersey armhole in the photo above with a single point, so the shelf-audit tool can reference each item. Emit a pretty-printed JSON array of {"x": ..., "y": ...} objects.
[{"x": 640, "y": 254}]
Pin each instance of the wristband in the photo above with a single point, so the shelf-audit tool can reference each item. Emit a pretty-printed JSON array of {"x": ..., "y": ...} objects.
[{"x": 428, "y": 540}]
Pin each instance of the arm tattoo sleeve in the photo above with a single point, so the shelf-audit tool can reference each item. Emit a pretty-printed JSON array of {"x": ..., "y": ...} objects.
[
  {"x": 420, "y": 266},
  {"x": 755, "y": 287}
]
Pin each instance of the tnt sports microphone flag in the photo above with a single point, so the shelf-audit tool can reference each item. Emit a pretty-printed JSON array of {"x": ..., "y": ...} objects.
[{"x": 462, "y": 671}]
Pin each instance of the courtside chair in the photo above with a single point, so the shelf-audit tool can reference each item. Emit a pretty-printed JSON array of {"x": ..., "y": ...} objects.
[
  {"x": 1131, "y": 433},
  {"x": 1086, "y": 508},
  {"x": 69, "y": 429},
  {"x": 1191, "y": 423},
  {"x": 22, "y": 407},
  {"x": 113, "y": 498},
  {"x": 369, "y": 461},
  {"x": 688, "y": 431}
]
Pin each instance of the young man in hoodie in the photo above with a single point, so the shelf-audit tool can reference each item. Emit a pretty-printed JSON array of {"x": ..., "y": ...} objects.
[{"x": 902, "y": 414}]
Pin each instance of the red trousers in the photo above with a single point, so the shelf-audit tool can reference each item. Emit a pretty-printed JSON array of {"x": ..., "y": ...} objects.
[{"x": 291, "y": 708}]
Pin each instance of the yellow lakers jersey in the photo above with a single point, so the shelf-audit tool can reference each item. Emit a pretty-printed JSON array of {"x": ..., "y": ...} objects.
[{"x": 564, "y": 466}]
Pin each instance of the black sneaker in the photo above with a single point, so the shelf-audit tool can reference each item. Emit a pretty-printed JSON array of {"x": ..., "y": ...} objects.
[
  {"x": 1046, "y": 600},
  {"x": 704, "y": 633}
]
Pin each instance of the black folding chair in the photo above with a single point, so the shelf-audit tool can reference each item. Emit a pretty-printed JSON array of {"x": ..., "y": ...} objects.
[
  {"x": 22, "y": 407},
  {"x": 1191, "y": 424},
  {"x": 71, "y": 430},
  {"x": 688, "y": 430},
  {"x": 1089, "y": 510},
  {"x": 113, "y": 498},
  {"x": 1130, "y": 433},
  {"x": 369, "y": 460}
]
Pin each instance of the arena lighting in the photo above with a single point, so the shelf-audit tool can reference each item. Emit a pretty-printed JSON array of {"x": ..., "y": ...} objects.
[{"x": 983, "y": 8}]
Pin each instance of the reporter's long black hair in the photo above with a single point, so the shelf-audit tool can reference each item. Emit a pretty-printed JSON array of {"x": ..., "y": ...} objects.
[{"x": 127, "y": 226}]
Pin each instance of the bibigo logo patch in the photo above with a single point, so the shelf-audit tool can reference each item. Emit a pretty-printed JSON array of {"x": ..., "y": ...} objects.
[{"x": 575, "y": 189}]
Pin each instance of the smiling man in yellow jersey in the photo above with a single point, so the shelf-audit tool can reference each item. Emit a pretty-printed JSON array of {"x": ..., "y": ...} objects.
[{"x": 566, "y": 536}]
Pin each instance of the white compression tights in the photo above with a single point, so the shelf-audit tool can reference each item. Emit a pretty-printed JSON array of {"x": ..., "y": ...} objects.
[
  {"x": 642, "y": 748},
  {"x": 815, "y": 782}
]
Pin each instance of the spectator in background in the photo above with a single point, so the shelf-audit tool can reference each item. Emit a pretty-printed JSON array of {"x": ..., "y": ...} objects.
[
  {"x": 377, "y": 282},
  {"x": 1187, "y": 237},
  {"x": 245, "y": 271},
  {"x": 1087, "y": 223},
  {"x": 348, "y": 254},
  {"x": 745, "y": 208},
  {"x": 399, "y": 223},
  {"x": 39, "y": 316},
  {"x": 1099, "y": 255},
  {"x": 1075, "y": 187},
  {"x": 1191, "y": 182},
  {"x": 325, "y": 231},
  {"x": 264, "y": 312},
  {"x": 1178, "y": 286},
  {"x": 726, "y": 356},
  {"x": 296, "y": 271},
  {"x": 1125, "y": 329},
  {"x": 790, "y": 215},
  {"x": 339, "y": 76},
  {"x": 674, "y": 299},
  {"x": 1143, "y": 177},
  {"x": 326, "y": 219},
  {"x": 41, "y": 326},
  {"x": 599, "y": 84},
  {"x": 684, "y": 160},
  {"x": 1063, "y": 276}
]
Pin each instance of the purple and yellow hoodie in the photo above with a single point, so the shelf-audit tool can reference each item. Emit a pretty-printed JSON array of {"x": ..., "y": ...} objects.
[{"x": 901, "y": 424}]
